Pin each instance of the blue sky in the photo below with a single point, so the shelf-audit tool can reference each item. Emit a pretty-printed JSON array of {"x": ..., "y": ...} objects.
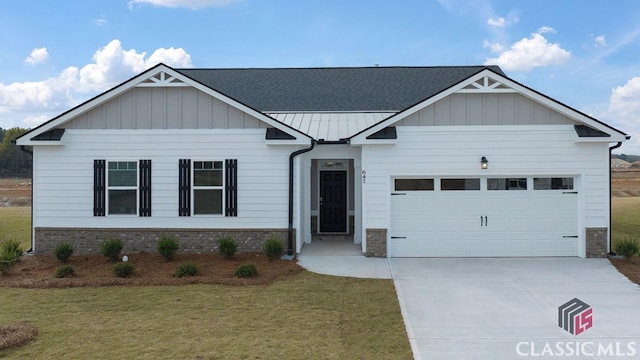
[{"x": 56, "y": 54}]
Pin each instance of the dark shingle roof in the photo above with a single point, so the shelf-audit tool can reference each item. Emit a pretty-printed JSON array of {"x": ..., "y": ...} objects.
[{"x": 333, "y": 89}]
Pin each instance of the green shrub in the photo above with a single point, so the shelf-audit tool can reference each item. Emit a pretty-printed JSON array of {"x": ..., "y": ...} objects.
[
  {"x": 273, "y": 248},
  {"x": 227, "y": 247},
  {"x": 246, "y": 271},
  {"x": 187, "y": 269},
  {"x": 64, "y": 271},
  {"x": 123, "y": 269},
  {"x": 168, "y": 247},
  {"x": 63, "y": 251},
  {"x": 111, "y": 248},
  {"x": 10, "y": 252},
  {"x": 627, "y": 247}
]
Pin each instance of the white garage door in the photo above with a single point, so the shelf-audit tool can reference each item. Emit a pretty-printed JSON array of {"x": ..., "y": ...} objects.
[{"x": 524, "y": 216}]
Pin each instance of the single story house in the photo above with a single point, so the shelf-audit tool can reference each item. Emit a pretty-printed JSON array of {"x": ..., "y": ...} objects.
[{"x": 447, "y": 161}]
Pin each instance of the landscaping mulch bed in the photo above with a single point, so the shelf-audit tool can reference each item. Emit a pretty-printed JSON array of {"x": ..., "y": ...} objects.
[
  {"x": 38, "y": 271},
  {"x": 629, "y": 268}
]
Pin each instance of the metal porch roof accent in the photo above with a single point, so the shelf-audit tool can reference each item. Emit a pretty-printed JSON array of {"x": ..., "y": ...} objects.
[
  {"x": 342, "y": 89},
  {"x": 331, "y": 126}
]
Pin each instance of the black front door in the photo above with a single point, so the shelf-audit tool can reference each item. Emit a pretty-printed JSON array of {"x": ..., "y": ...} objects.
[{"x": 333, "y": 201}]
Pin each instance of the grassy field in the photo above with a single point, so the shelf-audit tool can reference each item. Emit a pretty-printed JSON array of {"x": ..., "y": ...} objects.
[
  {"x": 15, "y": 224},
  {"x": 308, "y": 316},
  {"x": 625, "y": 218}
]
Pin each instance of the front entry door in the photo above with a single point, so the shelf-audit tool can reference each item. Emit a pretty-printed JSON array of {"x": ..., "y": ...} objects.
[{"x": 333, "y": 201}]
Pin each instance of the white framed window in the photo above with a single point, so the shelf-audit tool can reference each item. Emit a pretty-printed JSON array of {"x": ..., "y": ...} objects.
[
  {"x": 122, "y": 187},
  {"x": 208, "y": 187}
]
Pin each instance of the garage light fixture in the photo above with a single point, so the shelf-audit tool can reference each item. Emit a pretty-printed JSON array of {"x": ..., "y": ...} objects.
[{"x": 484, "y": 163}]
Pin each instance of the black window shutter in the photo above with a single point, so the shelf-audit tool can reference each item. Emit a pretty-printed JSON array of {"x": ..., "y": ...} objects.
[
  {"x": 145, "y": 187},
  {"x": 231, "y": 187},
  {"x": 99, "y": 188},
  {"x": 184, "y": 187}
]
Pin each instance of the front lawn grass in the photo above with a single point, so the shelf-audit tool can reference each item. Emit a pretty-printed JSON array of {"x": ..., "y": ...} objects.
[
  {"x": 307, "y": 316},
  {"x": 625, "y": 218},
  {"x": 15, "y": 224}
]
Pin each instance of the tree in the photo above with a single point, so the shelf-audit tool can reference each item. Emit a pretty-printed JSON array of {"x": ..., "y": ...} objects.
[{"x": 13, "y": 161}]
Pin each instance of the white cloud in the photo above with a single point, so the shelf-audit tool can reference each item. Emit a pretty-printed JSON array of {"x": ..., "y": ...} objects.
[
  {"x": 497, "y": 22},
  {"x": 500, "y": 21},
  {"x": 190, "y": 4},
  {"x": 625, "y": 100},
  {"x": 529, "y": 53},
  {"x": 23, "y": 103},
  {"x": 624, "y": 112},
  {"x": 600, "y": 40},
  {"x": 546, "y": 29},
  {"x": 493, "y": 47},
  {"x": 100, "y": 21},
  {"x": 37, "y": 56}
]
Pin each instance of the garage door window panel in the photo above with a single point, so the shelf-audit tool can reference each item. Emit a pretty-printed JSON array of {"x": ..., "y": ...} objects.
[
  {"x": 414, "y": 184},
  {"x": 553, "y": 183},
  {"x": 507, "y": 184},
  {"x": 460, "y": 184}
]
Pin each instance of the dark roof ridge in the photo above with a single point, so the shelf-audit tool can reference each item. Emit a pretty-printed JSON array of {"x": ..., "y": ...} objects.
[{"x": 341, "y": 67}]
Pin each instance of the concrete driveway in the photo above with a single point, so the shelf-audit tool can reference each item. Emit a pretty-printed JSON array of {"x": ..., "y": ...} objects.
[{"x": 507, "y": 308}]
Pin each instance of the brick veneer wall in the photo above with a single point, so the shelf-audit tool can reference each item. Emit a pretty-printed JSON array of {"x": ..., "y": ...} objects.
[
  {"x": 87, "y": 240},
  {"x": 376, "y": 243},
  {"x": 596, "y": 242}
]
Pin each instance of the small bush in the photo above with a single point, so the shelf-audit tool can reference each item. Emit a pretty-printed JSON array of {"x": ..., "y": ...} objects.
[
  {"x": 63, "y": 251},
  {"x": 227, "y": 247},
  {"x": 10, "y": 252},
  {"x": 246, "y": 271},
  {"x": 111, "y": 248},
  {"x": 187, "y": 269},
  {"x": 15, "y": 335},
  {"x": 273, "y": 248},
  {"x": 627, "y": 248},
  {"x": 64, "y": 271},
  {"x": 123, "y": 269},
  {"x": 168, "y": 247}
]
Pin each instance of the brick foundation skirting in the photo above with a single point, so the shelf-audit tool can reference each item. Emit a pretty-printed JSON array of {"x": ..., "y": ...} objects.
[
  {"x": 376, "y": 243},
  {"x": 596, "y": 242},
  {"x": 88, "y": 240}
]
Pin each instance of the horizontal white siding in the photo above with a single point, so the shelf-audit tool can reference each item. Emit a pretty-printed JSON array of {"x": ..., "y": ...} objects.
[
  {"x": 511, "y": 151},
  {"x": 64, "y": 183}
]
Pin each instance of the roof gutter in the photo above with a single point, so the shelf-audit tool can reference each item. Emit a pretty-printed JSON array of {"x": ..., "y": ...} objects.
[
  {"x": 611, "y": 148},
  {"x": 290, "y": 229}
]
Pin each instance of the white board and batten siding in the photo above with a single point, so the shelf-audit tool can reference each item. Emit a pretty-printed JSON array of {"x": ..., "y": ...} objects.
[
  {"x": 513, "y": 151},
  {"x": 64, "y": 182},
  {"x": 165, "y": 108}
]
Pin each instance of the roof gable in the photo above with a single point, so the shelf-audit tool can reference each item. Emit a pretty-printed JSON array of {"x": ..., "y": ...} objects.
[
  {"x": 489, "y": 81},
  {"x": 159, "y": 76}
]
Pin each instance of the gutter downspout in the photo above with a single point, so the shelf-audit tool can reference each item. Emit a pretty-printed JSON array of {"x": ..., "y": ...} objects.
[
  {"x": 290, "y": 229},
  {"x": 611, "y": 148},
  {"x": 24, "y": 148}
]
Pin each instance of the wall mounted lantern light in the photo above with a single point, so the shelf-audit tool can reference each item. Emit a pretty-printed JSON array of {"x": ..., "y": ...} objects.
[{"x": 484, "y": 163}]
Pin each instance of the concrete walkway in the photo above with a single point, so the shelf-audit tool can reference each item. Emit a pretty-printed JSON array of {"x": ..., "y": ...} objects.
[
  {"x": 335, "y": 255},
  {"x": 502, "y": 308}
]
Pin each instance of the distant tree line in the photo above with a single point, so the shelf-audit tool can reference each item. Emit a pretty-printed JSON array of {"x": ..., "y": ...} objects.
[
  {"x": 13, "y": 161},
  {"x": 627, "y": 158}
]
